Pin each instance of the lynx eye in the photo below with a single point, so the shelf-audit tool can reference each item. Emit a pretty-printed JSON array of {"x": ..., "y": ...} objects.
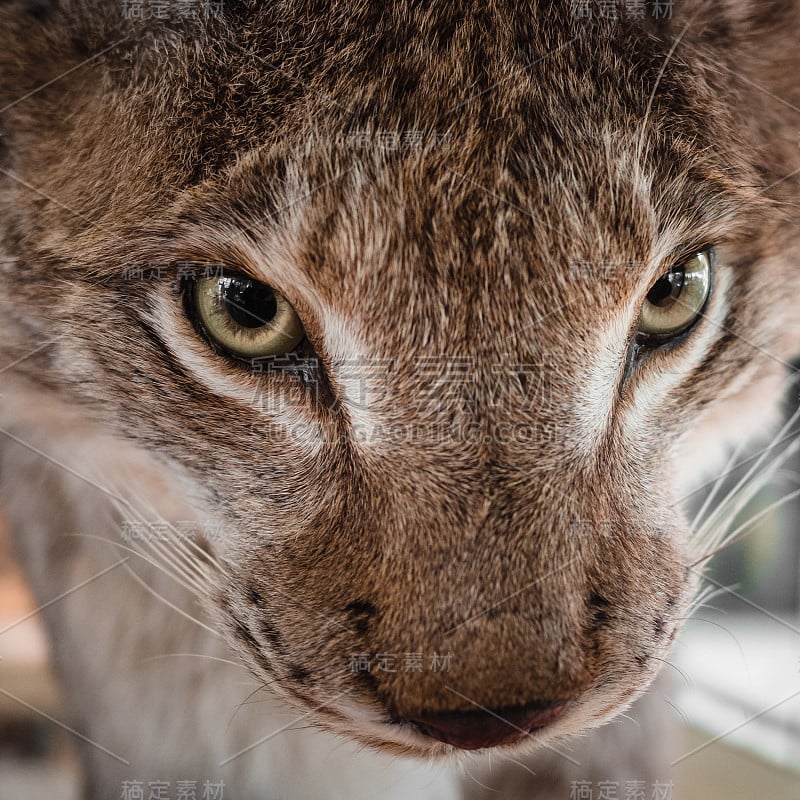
[
  {"x": 246, "y": 318},
  {"x": 676, "y": 299}
]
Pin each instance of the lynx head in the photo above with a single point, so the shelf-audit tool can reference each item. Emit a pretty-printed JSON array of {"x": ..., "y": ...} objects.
[{"x": 435, "y": 310}]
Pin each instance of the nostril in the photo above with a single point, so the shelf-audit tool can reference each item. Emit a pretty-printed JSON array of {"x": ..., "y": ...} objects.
[{"x": 473, "y": 730}]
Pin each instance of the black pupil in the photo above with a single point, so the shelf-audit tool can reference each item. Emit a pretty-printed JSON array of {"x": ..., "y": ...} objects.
[
  {"x": 249, "y": 303},
  {"x": 666, "y": 288}
]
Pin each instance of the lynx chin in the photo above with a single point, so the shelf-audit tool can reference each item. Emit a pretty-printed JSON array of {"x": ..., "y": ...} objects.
[{"x": 358, "y": 357}]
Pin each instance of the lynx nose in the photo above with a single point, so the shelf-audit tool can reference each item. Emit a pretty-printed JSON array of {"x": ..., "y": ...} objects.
[{"x": 473, "y": 730}]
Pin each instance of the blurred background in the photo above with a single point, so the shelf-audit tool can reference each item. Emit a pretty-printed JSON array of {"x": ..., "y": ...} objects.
[{"x": 735, "y": 669}]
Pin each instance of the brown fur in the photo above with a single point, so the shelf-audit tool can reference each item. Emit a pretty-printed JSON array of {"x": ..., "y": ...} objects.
[{"x": 551, "y": 571}]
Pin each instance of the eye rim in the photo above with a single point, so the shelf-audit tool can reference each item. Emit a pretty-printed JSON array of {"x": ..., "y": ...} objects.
[
  {"x": 652, "y": 341},
  {"x": 189, "y": 291}
]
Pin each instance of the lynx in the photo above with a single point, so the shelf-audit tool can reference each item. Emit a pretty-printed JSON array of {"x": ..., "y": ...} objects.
[{"x": 357, "y": 360}]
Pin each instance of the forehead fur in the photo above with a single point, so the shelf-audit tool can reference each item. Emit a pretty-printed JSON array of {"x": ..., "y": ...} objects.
[{"x": 547, "y": 110}]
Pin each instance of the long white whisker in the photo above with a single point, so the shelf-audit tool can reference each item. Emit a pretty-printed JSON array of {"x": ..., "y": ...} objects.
[
  {"x": 114, "y": 543},
  {"x": 734, "y": 496},
  {"x": 190, "y": 568},
  {"x": 714, "y": 530},
  {"x": 730, "y": 633},
  {"x": 737, "y": 534},
  {"x": 164, "y": 600},
  {"x": 195, "y": 655},
  {"x": 677, "y": 710},
  {"x": 765, "y": 451},
  {"x": 677, "y": 669},
  {"x": 191, "y": 572},
  {"x": 718, "y": 483},
  {"x": 524, "y": 766},
  {"x": 202, "y": 555},
  {"x": 702, "y": 599}
]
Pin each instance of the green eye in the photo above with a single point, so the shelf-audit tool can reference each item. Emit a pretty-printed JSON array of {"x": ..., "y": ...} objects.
[
  {"x": 246, "y": 318},
  {"x": 677, "y": 298}
]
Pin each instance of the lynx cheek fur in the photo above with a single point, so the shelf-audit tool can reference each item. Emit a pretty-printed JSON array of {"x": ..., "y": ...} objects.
[{"x": 554, "y": 567}]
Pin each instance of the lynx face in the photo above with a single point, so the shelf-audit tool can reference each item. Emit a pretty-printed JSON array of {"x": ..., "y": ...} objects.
[{"x": 501, "y": 341}]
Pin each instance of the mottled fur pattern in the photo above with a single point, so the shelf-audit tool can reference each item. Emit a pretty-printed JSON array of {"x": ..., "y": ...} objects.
[{"x": 552, "y": 568}]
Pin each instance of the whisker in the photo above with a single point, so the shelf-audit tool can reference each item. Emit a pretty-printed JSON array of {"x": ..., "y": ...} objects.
[
  {"x": 195, "y": 655},
  {"x": 189, "y": 564},
  {"x": 718, "y": 483},
  {"x": 138, "y": 554},
  {"x": 738, "y": 535},
  {"x": 255, "y": 691},
  {"x": 731, "y": 634},
  {"x": 677, "y": 669},
  {"x": 745, "y": 490},
  {"x": 702, "y": 596},
  {"x": 524, "y": 766},
  {"x": 192, "y": 575},
  {"x": 677, "y": 710},
  {"x": 180, "y": 540},
  {"x": 166, "y": 602},
  {"x": 475, "y": 780}
]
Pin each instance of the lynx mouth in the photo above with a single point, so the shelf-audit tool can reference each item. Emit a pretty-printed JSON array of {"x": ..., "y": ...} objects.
[
  {"x": 447, "y": 735},
  {"x": 483, "y": 728}
]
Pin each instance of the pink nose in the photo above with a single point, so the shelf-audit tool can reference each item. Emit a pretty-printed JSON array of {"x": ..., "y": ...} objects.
[{"x": 473, "y": 730}]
